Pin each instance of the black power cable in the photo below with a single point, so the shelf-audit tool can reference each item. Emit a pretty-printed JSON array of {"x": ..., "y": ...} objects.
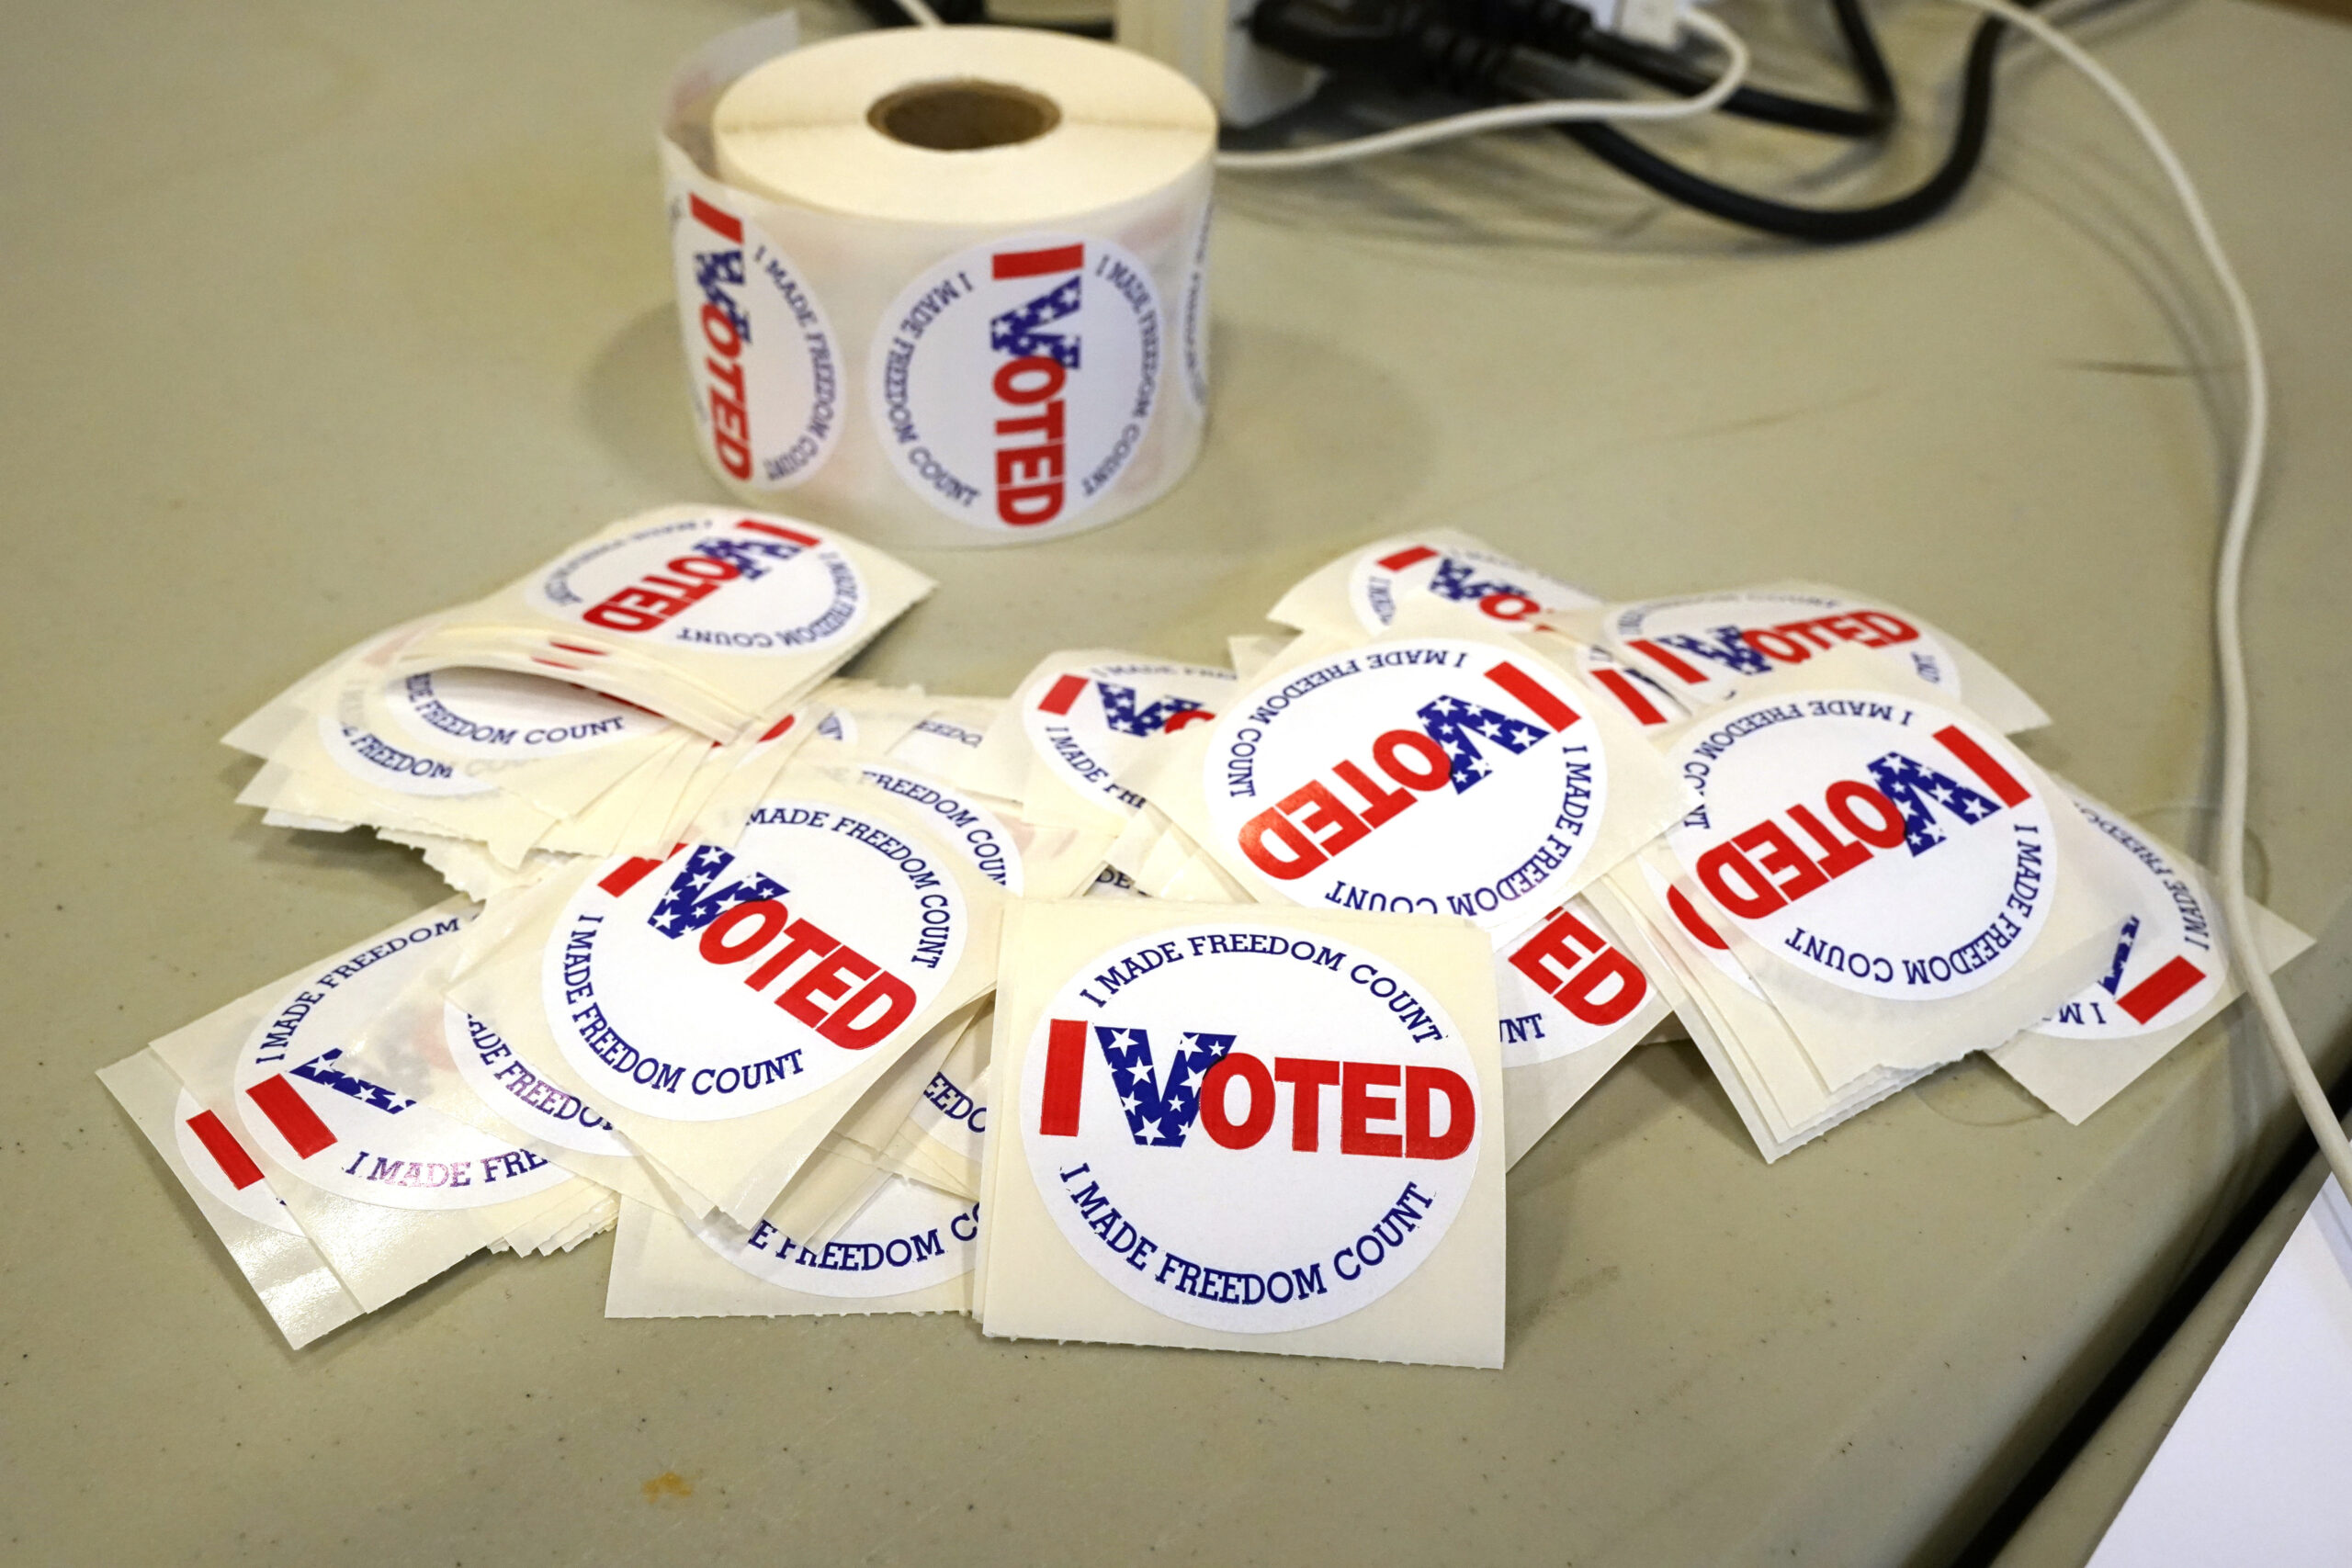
[
  {"x": 1567, "y": 31},
  {"x": 1426, "y": 43},
  {"x": 1559, "y": 27},
  {"x": 1823, "y": 225},
  {"x": 890, "y": 14}
]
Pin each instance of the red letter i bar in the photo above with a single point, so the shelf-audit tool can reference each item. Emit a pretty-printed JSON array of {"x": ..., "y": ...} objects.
[
  {"x": 1065, "y": 1070},
  {"x": 1978, "y": 761},
  {"x": 282, "y": 1104},
  {"x": 720, "y": 224},
  {"x": 1538, "y": 699},
  {"x": 1678, "y": 667}
]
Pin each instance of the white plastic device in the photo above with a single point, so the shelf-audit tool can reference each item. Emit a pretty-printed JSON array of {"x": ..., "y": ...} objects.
[
  {"x": 1645, "y": 21},
  {"x": 1209, "y": 41}
]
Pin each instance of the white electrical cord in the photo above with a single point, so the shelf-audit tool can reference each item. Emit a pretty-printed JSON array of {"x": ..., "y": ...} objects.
[
  {"x": 922, "y": 15},
  {"x": 2228, "y": 579},
  {"x": 1509, "y": 117}
]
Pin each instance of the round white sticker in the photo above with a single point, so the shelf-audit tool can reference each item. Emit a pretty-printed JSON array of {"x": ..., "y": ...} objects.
[
  {"x": 1089, "y": 724},
  {"x": 762, "y": 355},
  {"x": 1250, "y": 1128},
  {"x": 509, "y": 1088},
  {"x": 1703, "y": 647},
  {"x": 1564, "y": 987},
  {"x": 1013, "y": 382},
  {"x": 1497, "y": 586},
  {"x": 223, "y": 1168},
  {"x": 354, "y": 1138},
  {"x": 719, "y": 583},
  {"x": 985, "y": 842},
  {"x": 719, "y": 983},
  {"x": 1887, "y": 847},
  {"x": 909, "y": 1237},
  {"x": 499, "y": 714},
  {"x": 1431, "y": 776},
  {"x": 2167, "y": 963}
]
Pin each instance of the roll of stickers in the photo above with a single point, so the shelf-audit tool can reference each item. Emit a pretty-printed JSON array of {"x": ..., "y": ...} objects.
[{"x": 947, "y": 288}]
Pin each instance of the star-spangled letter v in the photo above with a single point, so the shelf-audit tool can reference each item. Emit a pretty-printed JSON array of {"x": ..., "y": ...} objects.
[{"x": 1160, "y": 1111}]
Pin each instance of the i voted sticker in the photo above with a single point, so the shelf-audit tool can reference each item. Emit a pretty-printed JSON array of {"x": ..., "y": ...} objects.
[
  {"x": 1089, "y": 724},
  {"x": 1431, "y": 776},
  {"x": 224, "y": 1168},
  {"x": 1498, "y": 587},
  {"x": 1887, "y": 847},
  {"x": 500, "y": 715},
  {"x": 352, "y": 1138},
  {"x": 719, "y": 982},
  {"x": 719, "y": 583},
  {"x": 1564, "y": 987},
  {"x": 1012, "y": 383},
  {"x": 910, "y": 1237},
  {"x": 1705, "y": 646},
  {"x": 985, "y": 842},
  {"x": 502, "y": 1081},
  {"x": 1250, "y": 1128},
  {"x": 765, "y": 364},
  {"x": 2167, "y": 963}
]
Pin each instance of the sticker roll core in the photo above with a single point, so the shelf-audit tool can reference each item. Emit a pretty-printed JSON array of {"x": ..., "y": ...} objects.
[
  {"x": 964, "y": 116},
  {"x": 941, "y": 287}
]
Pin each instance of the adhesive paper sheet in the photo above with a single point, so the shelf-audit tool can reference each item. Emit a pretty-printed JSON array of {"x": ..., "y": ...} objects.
[
  {"x": 910, "y": 1251},
  {"x": 2170, "y": 974},
  {"x": 297, "y": 1289},
  {"x": 1148, "y": 1184},
  {"x": 389, "y": 1192}
]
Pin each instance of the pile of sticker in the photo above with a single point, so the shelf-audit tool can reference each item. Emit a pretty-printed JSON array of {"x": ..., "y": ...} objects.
[{"x": 1276, "y": 967}]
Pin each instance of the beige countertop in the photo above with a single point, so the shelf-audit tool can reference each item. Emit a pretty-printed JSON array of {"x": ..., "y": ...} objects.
[{"x": 324, "y": 316}]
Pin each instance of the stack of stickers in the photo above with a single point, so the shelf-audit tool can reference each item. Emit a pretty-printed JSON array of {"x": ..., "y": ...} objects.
[
  {"x": 1874, "y": 882},
  {"x": 594, "y": 705},
  {"x": 1159, "y": 1003}
]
